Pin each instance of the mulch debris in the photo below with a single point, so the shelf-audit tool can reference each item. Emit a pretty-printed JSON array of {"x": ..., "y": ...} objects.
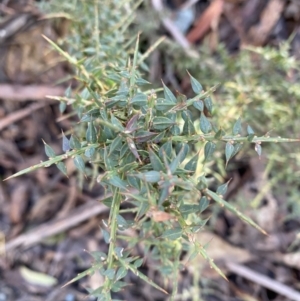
[{"x": 47, "y": 222}]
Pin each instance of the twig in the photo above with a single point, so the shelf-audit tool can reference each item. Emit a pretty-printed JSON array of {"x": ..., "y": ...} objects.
[
  {"x": 56, "y": 226},
  {"x": 20, "y": 114},
  {"x": 265, "y": 281},
  {"x": 174, "y": 31},
  {"x": 29, "y": 92},
  {"x": 188, "y": 4},
  {"x": 207, "y": 21}
]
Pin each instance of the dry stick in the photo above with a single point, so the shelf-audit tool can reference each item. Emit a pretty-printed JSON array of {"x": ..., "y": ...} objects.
[
  {"x": 174, "y": 31},
  {"x": 57, "y": 226},
  {"x": 188, "y": 4},
  {"x": 11, "y": 118},
  {"x": 29, "y": 92},
  {"x": 264, "y": 281}
]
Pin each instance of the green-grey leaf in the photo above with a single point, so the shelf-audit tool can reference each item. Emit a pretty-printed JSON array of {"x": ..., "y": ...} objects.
[
  {"x": 91, "y": 135},
  {"x": 175, "y": 130},
  {"x": 117, "y": 182},
  {"x": 188, "y": 209},
  {"x": 121, "y": 273},
  {"x": 165, "y": 192},
  {"x": 150, "y": 176},
  {"x": 219, "y": 134},
  {"x": 161, "y": 123},
  {"x": 163, "y": 104},
  {"x": 222, "y": 189},
  {"x": 229, "y": 148},
  {"x": 198, "y": 104},
  {"x": 188, "y": 128},
  {"x": 208, "y": 104},
  {"x": 134, "y": 182},
  {"x": 89, "y": 152},
  {"x": 250, "y": 130},
  {"x": 79, "y": 163},
  {"x": 49, "y": 150},
  {"x": 109, "y": 273},
  {"x": 138, "y": 262},
  {"x": 144, "y": 136},
  {"x": 139, "y": 99},
  {"x": 167, "y": 148},
  {"x": 74, "y": 143},
  {"x": 192, "y": 164},
  {"x": 140, "y": 82},
  {"x": 117, "y": 286},
  {"x": 203, "y": 203},
  {"x": 209, "y": 150},
  {"x": 178, "y": 159},
  {"x": 122, "y": 223},
  {"x": 202, "y": 183},
  {"x": 205, "y": 125},
  {"x": 116, "y": 122},
  {"x": 155, "y": 160},
  {"x": 237, "y": 127},
  {"x": 196, "y": 86},
  {"x": 65, "y": 143},
  {"x": 116, "y": 144},
  {"x": 169, "y": 95},
  {"x": 62, "y": 167},
  {"x": 172, "y": 234},
  {"x": 106, "y": 235},
  {"x": 183, "y": 149},
  {"x": 237, "y": 147}
]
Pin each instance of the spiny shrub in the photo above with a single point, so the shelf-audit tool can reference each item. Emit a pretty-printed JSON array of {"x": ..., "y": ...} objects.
[{"x": 152, "y": 150}]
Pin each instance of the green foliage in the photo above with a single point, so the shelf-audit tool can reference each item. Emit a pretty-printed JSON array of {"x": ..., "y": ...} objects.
[
  {"x": 261, "y": 85},
  {"x": 152, "y": 150}
]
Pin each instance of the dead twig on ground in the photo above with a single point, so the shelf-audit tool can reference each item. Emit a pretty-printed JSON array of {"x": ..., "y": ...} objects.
[
  {"x": 207, "y": 21},
  {"x": 29, "y": 92},
  {"x": 16, "y": 116},
  {"x": 173, "y": 30},
  {"x": 56, "y": 226},
  {"x": 264, "y": 281}
]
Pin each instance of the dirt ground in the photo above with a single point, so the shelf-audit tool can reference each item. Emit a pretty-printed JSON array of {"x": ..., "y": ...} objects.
[{"x": 49, "y": 224}]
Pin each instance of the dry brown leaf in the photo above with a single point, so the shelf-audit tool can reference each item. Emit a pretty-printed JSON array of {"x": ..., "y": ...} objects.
[
  {"x": 207, "y": 20},
  {"x": 159, "y": 216},
  {"x": 259, "y": 33},
  {"x": 291, "y": 259},
  {"x": 19, "y": 201}
]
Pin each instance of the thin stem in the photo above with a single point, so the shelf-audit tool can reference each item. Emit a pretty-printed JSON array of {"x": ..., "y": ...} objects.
[
  {"x": 205, "y": 137},
  {"x": 115, "y": 208},
  {"x": 175, "y": 275},
  {"x": 113, "y": 224},
  {"x": 96, "y": 27}
]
